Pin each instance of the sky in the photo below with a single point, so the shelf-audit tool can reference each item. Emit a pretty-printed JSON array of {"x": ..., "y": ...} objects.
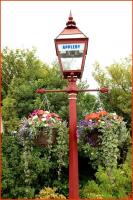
[{"x": 108, "y": 24}]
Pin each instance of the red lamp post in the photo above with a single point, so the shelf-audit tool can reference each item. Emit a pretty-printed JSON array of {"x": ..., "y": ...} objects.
[{"x": 71, "y": 48}]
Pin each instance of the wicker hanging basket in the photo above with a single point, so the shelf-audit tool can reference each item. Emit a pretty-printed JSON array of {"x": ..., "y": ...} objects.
[
  {"x": 92, "y": 138},
  {"x": 45, "y": 137}
]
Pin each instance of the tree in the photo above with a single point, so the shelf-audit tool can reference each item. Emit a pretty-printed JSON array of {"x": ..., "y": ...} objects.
[
  {"x": 118, "y": 78},
  {"x": 17, "y": 64},
  {"x": 23, "y": 73}
]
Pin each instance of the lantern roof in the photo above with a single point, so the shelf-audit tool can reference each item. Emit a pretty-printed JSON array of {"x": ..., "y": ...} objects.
[{"x": 71, "y": 30}]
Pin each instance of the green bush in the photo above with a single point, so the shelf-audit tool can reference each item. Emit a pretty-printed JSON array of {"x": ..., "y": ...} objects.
[
  {"x": 110, "y": 183},
  {"x": 27, "y": 169}
]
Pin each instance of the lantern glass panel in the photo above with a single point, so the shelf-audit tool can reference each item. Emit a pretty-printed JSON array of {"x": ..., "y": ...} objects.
[{"x": 71, "y": 55}]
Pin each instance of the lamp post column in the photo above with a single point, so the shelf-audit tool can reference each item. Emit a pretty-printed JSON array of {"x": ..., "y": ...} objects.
[{"x": 73, "y": 148}]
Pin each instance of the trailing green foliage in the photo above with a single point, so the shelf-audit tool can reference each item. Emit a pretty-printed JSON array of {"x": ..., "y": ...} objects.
[
  {"x": 111, "y": 134},
  {"x": 26, "y": 169}
]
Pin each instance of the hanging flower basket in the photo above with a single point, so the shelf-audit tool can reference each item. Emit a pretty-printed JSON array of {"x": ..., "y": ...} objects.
[
  {"x": 89, "y": 129},
  {"x": 101, "y": 137},
  {"x": 40, "y": 127}
]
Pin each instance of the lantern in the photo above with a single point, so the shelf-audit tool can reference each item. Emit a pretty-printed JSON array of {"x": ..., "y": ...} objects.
[{"x": 71, "y": 48}]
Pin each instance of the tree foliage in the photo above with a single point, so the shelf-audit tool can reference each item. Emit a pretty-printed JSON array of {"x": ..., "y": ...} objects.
[
  {"x": 26, "y": 171},
  {"x": 118, "y": 78},
  {"x": 23, "y": 73}
]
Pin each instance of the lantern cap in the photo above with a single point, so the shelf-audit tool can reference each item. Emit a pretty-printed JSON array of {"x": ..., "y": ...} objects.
[{"x": 71, "y": 30}]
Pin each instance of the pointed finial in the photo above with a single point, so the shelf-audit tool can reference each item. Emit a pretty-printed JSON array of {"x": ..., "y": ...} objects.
[
  {"x": 70, "y": 16},
  {"x": 71, "y": 23}
]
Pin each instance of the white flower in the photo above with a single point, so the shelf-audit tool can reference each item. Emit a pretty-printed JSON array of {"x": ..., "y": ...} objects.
[
  {"x": 43, "y": 119},
  {"x": 46, "y": 112},
  {"x": 30, "y": 122},
  {"x": 114, "y": 114},
  {"x": 35, "y": 117},
  {"x": 45, "y": 125},
  {"x": 44, "y": 115}
]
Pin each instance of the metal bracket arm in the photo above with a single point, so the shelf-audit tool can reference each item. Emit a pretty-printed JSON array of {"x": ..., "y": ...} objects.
[{"x": 102, "y": 90}]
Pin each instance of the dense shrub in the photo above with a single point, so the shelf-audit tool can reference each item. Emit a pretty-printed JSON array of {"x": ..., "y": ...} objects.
[
  {"x": 27, "y": 169},
  {"x": 115, "y": 183}
]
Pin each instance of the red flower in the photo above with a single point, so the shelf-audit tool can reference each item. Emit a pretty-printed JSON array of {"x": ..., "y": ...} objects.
[
  {"x": 92, "y": 116},
  {"x": 55, "y": 115},
  {"x": 40, "y": 112},
  {"x": 102, "y": 113},
  {"x": 96, "y": 115}
]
